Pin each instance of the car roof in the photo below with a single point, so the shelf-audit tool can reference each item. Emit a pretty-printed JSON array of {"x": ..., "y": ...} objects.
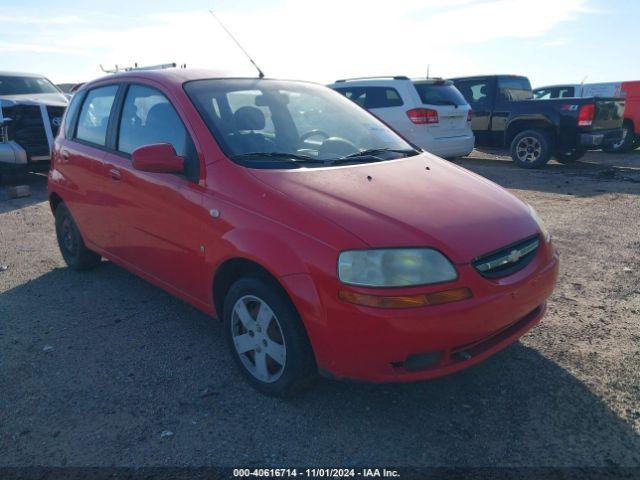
[
  {"x": 20, "y": 74},
  {"x": 389, "y": 79},
  {"x": 168, "y": 76},
  {"x": 559, "y": 85},
  {"x": 473, "y": 77}
]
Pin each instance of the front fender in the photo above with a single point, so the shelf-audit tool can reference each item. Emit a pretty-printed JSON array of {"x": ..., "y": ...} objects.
[{"x": 263, "y": 248}]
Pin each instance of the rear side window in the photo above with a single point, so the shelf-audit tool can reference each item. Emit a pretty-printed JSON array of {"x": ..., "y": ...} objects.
[
  {"x": 514, "y": 88},
  {"x": 94, "y": 116},
  {"x": 433, "y": 94},
  {"x": 373, "y": 97}
]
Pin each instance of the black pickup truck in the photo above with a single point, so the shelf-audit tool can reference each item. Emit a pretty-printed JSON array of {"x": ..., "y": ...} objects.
[{"x": 506, "y": 115}]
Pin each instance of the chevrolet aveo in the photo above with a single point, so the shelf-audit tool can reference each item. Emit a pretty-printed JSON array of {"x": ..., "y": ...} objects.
[{"x": 326, "y": 242}]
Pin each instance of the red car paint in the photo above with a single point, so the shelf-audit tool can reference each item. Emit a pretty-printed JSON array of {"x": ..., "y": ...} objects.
[
  {"x": 294, "y": 223},
  {"x": 632, "y": 104}
]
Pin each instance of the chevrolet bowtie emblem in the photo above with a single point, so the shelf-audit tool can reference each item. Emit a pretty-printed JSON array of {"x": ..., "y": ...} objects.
[{"x": 514, "y": 256}]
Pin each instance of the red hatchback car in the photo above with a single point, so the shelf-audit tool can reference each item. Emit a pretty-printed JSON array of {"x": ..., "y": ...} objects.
[{"x": 326, "y": 242}]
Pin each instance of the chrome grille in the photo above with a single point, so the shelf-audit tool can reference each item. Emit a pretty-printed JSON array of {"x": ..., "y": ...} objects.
[{"x": 507, "y": 260}]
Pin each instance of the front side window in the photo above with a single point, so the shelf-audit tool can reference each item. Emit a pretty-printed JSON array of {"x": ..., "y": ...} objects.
[
  {"x": 373, "y": 97},
  {"x": 148, "y": 117},
  {"x": 474, "y": 91},
  {"x": 94, "y": 115},
  {"x": 10, "y": 85},
  {"x": 267, "y": 122}
]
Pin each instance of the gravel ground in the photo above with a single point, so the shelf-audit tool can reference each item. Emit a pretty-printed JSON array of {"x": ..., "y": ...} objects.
[{"x": 101, "y": 368}]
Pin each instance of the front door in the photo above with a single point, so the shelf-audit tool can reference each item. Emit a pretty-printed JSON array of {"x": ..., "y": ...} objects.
[{"x": 162, "y": 212}]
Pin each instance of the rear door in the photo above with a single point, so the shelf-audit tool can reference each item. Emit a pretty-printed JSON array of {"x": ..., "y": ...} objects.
[
  {"x": 384, "y": 101},
  {"x": 452, "y": 108},
  {"x": 83, "y": 156}
]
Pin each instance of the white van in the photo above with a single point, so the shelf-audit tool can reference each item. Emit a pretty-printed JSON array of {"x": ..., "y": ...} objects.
[{"x": 431, "y": 113}]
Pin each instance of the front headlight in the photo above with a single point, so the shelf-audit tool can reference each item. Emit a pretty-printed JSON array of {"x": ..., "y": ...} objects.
[
  {"x": 541, "y": 225},
  {"x": 394, "y": 267}
]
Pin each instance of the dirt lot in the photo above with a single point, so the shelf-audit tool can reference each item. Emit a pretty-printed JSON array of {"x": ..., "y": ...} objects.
[{"x": 101, "y": 368}]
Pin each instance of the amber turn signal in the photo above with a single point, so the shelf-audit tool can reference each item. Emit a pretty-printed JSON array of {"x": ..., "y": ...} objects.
[{"x": 406, "y": 301}]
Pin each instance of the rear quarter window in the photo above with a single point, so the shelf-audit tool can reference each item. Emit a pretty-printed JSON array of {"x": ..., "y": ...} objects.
[
  {"x": 433, "y": 94},
  {"x": 373, "y": 97},
  {"x": 72, "y": 114}
]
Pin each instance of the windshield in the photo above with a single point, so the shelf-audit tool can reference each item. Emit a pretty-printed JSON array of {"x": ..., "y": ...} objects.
[
  {"x": 439, "y": 94},
  {"x": 264, "y": 123},
  {"x": 26, "y": 85}
]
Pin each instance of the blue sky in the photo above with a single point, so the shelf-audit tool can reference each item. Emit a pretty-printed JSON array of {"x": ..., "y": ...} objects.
[{"x": 551, "y": 41}]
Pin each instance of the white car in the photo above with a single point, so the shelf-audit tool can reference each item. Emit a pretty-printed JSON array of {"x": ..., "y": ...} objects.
[
  {"x": 431, "y": 113},
  {"x": 31, "y": 110},
  {"x": 571, "y": 90}
]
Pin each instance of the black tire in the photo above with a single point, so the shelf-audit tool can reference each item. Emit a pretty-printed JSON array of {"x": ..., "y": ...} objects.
[
  {"x": 287, "y": 331},
  {"x": 72, "y": 247},
  {"x": 626, "y": 144},
  {"x": 571, "y": 156},
  {"x": 531, "y": 149}
]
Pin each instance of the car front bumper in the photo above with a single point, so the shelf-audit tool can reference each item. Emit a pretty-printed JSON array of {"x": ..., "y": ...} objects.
[
  {"x": 600, "y": 138},
  {"x": 403, "y": 345}
]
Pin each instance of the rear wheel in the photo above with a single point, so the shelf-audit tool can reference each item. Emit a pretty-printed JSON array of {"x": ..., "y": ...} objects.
[
  {"x": 570, "y": 156},
  {"x": 267, "y": 338},
  {"x": 72, "y": 247},
  {"x": 626, "y": 144},
  {"x": 531, "y": 149}
]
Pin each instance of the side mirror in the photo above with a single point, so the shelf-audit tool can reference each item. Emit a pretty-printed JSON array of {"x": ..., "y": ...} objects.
[{"x": 157, "y": 158}]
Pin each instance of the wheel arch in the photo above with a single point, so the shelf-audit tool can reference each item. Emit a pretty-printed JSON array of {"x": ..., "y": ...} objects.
[
  {"x": 233, "y": 269},
  {"x": 54, "y": 201},
  {"x": 520, "y": 124}
]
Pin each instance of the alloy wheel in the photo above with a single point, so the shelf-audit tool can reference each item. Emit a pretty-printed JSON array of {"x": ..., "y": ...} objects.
[
  {"x": 528, "y": 149},
  {"x": 258, "y": 339}
]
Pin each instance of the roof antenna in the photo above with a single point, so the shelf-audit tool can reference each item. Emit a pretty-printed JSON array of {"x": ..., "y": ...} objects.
[
  {"x": 584, "y": 79},
  {"x": 428, "y": 67},
  {"x": 260, "y": 74}
]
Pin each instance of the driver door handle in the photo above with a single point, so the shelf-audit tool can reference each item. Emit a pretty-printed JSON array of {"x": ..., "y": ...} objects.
[{"x": 115, "y": 174}]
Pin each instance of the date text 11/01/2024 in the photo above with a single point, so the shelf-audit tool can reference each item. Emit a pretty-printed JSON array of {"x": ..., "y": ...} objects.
[{"x": 316, "y": 473}]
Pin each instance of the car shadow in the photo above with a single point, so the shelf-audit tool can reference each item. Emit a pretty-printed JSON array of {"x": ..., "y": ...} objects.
[
  {"x": 37, "y": 183},
  {"x": 99, "y": 366},
  {"x": 595, "y": 174}
]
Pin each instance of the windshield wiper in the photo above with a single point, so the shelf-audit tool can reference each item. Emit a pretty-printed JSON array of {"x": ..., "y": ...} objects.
[
  {"x": 374, "y": 152},
  {"x": 294, "y": 157}
]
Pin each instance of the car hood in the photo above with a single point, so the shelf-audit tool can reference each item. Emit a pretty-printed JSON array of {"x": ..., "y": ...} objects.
[
  {"x": 417, "y": 201},
  {"x": 49, "y": 99}
]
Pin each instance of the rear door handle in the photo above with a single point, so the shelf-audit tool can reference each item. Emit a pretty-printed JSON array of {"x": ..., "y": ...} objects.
[{"x": 115, "y": 174}]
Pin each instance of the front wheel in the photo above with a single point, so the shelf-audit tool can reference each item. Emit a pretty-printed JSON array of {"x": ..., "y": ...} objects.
[
  {"x": 531, "y": 149},
  {"x": 570, "y": 156},
  {"x": 267, "y": 338},
  {"x": 626, "y": 144}
]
